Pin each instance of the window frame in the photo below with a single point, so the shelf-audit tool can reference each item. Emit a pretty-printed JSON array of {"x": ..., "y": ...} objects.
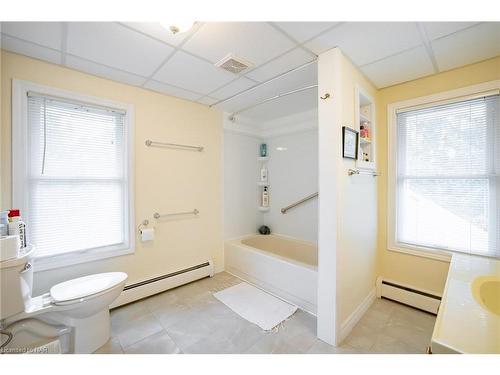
[
  {"x": 20, "y": 161},
  {"x": 464, "y": 93}
]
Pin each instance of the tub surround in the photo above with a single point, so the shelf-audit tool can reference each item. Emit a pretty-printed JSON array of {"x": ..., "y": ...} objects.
[{"x": 463, "y": 324}]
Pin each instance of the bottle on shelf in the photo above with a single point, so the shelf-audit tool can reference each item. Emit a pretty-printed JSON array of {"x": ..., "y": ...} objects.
[
  {"x": 263, "y": 174},
  {"x": 263, "y": 150},
  {"x": 265, "y": 197}
]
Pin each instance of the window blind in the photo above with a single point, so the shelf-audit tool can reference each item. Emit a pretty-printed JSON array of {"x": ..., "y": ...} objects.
[
  {"x": 448, "y": 177},
  {"x": 76, "y": 183}
]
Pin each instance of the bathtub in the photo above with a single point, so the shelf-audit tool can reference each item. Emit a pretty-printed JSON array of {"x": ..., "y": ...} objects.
[{"x": 283, "y": 266}]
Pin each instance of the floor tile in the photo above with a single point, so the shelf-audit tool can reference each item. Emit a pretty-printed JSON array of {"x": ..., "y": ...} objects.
[
  {"x": 138, "y": 329},
  {"x": 121, "y": 316},
  {"x": 159, "y": 343},
  {"x": 111, "y": 347},
  {"x": 189, "y": 319},
  {"x": 321, "y": 347}
]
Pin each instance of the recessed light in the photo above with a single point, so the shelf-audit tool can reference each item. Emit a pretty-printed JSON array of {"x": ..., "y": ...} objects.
[{"x": 280, "y": 148}]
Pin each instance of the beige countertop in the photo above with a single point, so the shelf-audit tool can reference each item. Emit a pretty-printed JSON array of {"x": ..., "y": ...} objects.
[{"x": 463, "y": 325}]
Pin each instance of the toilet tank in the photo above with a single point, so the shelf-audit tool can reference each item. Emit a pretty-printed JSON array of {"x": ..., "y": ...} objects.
[{"x": 16, "y": 284}]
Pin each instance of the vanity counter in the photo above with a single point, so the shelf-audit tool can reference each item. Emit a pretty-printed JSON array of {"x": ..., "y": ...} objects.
[{"x": 463, "y": 324}]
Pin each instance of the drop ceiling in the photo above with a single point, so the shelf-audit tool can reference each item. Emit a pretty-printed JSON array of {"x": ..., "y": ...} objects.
[{"x": 149, "y": 56}]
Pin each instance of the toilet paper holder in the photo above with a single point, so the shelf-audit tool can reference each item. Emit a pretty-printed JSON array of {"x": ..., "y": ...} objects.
[{"x": 144, "y": 223}]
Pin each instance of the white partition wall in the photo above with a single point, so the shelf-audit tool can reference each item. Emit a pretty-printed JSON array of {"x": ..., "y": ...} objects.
[{"x": 329, "y": 146}]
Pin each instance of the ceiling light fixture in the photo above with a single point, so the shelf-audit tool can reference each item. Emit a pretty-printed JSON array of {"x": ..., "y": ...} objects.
[{"x": 178, "y": 27}]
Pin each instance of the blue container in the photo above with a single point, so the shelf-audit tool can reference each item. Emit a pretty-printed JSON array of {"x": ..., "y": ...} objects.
[{"x": 263, "y": 150}]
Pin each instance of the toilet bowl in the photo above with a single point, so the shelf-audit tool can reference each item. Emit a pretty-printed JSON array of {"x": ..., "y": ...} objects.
[{"x": 81, "y": 304}]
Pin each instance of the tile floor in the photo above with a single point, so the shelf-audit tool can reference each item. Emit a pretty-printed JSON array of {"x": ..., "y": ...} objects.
[{"x": 189, "y": 319}]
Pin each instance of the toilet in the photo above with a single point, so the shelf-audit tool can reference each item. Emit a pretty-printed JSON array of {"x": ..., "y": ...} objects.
[{"x": 77, "y": 310}]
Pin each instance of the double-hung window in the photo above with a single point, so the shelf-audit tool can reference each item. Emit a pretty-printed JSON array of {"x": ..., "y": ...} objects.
[
  {"x": 72, "y": 175},
  {"x": 447, "y": 176}
]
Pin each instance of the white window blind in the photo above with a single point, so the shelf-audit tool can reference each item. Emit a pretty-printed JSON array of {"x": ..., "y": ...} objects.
[
  {"x": 448, "y": 177},
  {"x": 77, "y": 182}
]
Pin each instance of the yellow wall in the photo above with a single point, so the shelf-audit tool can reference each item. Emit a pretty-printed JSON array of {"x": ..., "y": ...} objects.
[
  {"x": 417, "y": 271},
  {"x": 357, "y": 215},
  {"x": 165, "y": 180}
]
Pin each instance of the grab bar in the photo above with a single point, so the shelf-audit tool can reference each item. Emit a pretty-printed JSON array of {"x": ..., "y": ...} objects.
[
  {"x": 159, "y": 216},
  {"x": 351, "y": 172},
  {"x": 309, "y": 197},
  {"x": 151, "y": 143}
]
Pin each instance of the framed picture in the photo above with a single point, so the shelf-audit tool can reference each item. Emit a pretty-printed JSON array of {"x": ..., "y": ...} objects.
[{"x": 349, "y": 143}]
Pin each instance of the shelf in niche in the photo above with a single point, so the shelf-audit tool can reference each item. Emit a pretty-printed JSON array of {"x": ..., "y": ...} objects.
[
  {"x": 262, "y": 183},
  {"x": 363, "y": 118},
  {"x": 263, "y": 158},
  {"x": 365, "y": 140},
  {"x": 263, "y": 209}
]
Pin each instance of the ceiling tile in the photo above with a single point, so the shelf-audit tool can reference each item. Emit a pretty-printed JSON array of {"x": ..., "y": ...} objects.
[
  {"x": 477, "y": 43},
  {"x": 436, "y": 30},
  {"x": 280, "y": 65},
  {"x": 47, "y": 34},
  {"x": 302, "y": 31},
  {"x": 103, "y": 71},
  {"x": 158, "y": 31},
  {"x": 256, "y": 42},
  {"x": 171, "y": 90},
  {"x": 207, "y": 100},
  {"x": 365, "y": 42},
  {"x": 30, "y": 49},
  {"x": 192, "y": 73},
  {"x": 232, "y": 88},
  {"x": 116, "y": 46},
  {"x": 410, "y": 65}
]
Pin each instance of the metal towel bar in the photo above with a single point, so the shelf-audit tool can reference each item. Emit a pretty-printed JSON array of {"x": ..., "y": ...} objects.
[
  {"x": 159, "y": 216},
  {"x": 309, "y": 197},
  {"x": 151, "y": 143},
  {"x": 351, "y": 172}
]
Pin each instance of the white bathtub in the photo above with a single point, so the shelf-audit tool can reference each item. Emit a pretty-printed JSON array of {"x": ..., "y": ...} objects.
[{"x": 283, "y": 266}]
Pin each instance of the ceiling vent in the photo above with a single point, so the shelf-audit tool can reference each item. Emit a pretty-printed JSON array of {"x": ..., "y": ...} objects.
[{"x": 233, "y": 64}]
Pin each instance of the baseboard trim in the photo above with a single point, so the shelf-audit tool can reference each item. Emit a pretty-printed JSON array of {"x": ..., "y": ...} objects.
[{"x": 347, "y": 326}]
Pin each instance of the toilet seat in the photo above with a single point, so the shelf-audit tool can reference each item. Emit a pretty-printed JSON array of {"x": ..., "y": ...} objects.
[{"x": 86, "y": 287}]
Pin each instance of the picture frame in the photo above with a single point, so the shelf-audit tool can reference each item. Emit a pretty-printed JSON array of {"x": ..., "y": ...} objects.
[{"x": 350, "y": 141}]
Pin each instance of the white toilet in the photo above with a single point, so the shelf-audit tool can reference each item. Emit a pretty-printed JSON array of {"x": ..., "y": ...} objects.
[{"x": 81, "y": 304}]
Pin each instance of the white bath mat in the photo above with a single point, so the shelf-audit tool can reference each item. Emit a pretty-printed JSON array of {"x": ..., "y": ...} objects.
[{"x": 255, "y": 305}]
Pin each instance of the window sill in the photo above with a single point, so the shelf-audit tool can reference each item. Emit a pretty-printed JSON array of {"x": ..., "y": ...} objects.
[
  {"x": 422, "y": 252},
  {"x": 63, "y": 260}
]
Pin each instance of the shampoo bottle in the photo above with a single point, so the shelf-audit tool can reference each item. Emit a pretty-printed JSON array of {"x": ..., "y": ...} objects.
[
  {"x": 265, "y": 197},
  {"x": 263, "y": 174}
]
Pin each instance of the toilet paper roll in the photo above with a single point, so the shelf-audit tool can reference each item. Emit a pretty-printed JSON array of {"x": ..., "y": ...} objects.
[
  {"x": 9, "y": 247},
  {"x": 147, "y": 234}
]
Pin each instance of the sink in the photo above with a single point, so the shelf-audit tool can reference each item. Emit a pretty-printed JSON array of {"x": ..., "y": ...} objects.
[{"x": 486, "y": 292}]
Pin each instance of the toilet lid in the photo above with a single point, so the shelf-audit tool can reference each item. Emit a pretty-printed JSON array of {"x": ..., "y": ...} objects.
[{"x": 86, "y": 286}]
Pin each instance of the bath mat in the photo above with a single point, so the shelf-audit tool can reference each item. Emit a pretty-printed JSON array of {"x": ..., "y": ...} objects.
[{"x": 255, "y": 305}]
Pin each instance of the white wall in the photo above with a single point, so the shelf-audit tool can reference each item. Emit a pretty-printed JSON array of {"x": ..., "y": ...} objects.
[
  {"x": 293, "y": 174},
  {"x": 241, "y": 193},
  {"x": 348, "y": 206}
]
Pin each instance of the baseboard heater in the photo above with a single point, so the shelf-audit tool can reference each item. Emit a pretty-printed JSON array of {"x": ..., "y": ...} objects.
[
  {"x": 146, "y": 288},
  {"x": 408, "y": 295}
]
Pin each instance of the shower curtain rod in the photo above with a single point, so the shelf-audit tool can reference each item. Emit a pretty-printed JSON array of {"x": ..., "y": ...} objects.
[
  {"x": 231, "y": 117},
  {"x": 263, "y": 83}
]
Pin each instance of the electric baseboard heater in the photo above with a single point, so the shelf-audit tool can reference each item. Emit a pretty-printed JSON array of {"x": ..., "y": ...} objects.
[
  {"x": 408, "y": 295},
  {"x": 158, "y": 284}
]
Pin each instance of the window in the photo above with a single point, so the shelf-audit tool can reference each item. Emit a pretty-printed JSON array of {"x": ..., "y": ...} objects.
[
  {"x": 447, "y": 193},
  {"x": 76, "y": 179}
]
